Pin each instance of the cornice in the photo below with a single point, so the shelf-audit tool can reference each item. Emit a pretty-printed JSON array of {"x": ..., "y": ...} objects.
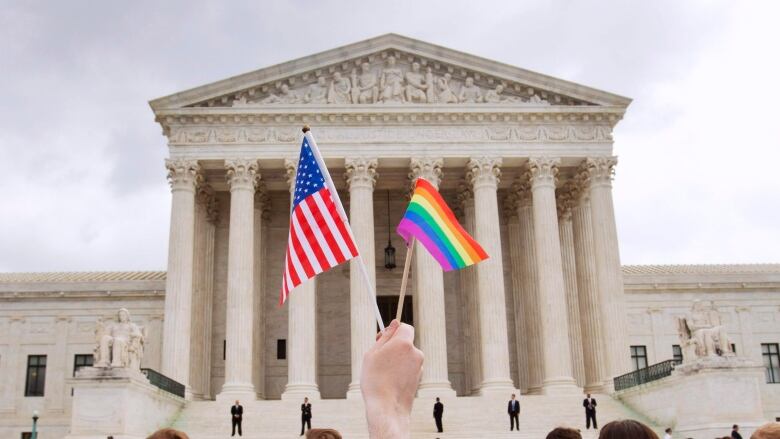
[{"x": 70, "y": 295}]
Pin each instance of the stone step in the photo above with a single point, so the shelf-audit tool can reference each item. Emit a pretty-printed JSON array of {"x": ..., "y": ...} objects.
[{"x": 464, "y": 417}]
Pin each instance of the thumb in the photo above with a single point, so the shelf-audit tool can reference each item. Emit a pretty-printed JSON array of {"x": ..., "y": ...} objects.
[{"x": 385, "y": 336}]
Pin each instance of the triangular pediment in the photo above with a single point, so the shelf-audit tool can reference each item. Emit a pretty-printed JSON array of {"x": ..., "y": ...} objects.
[{"x": 389, "y": 70}]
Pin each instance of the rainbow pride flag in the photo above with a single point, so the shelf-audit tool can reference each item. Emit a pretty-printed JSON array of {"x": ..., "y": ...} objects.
[{"x": 430, "y": 220}]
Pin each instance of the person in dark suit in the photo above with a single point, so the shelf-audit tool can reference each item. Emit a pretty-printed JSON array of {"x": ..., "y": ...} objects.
[
  {"x": 735, "y": 432},
  {"x": 438, "y": 412},
  {"x": 514, "y": 413},
  {"x": 236, "y": 415},
  {"x": 305, "y": 415},
  {"x": 590, "y": 412}
]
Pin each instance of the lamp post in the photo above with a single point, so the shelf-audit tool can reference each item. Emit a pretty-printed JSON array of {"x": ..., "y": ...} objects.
[{"x": 35, "y": 424}]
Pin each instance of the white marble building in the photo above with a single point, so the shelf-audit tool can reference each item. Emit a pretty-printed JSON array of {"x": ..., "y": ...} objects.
[{"x": 527, "y": 161}]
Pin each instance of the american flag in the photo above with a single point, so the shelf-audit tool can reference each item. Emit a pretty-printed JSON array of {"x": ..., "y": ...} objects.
[{"x": 320, "y": 238}]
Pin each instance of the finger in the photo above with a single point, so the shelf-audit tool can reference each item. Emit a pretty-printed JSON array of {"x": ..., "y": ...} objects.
[
  {"x": 384, "y": 336},
  {"x": 404, "y": 333}
]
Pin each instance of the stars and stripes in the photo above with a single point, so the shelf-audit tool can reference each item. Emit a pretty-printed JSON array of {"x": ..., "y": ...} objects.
[{"x": 319, "y": 237}]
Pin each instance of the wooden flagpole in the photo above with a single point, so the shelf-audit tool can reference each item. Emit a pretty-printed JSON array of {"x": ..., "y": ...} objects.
[
  {"x": 402, "y": 294},
  {"x": 332, "y": 188}
]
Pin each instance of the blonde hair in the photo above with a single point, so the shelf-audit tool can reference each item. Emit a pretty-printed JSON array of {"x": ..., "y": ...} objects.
[
  {"x": 767, "y": 431},
  {"x": 168, "y": 433}
]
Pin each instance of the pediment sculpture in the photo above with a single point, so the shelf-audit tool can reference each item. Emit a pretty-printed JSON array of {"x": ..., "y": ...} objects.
[
  {"x": 119, "y": 344},
  {"x": 702, "y": 334},
  {"x": 387, "y": 80}
]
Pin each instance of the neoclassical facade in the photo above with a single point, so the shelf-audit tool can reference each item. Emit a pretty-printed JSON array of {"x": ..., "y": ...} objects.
[{"x": 526, "y": 161}]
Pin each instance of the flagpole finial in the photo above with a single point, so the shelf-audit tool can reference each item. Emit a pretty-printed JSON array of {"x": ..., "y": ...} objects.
[{"x": 305, "y": 129}]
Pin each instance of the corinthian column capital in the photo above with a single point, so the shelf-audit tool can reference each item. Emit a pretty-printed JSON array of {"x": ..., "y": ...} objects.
[
  {"x": 484, "y": 171},
  {"x": 262, "y": 199},
  {"x": 242, "y": 174},
  {"x": 429, "y": 168},
  {"x": 566, "y": 199},
  {"x": 291, "y": 168},
  {"x": 465, "y": 194},
  {"x": 544, "y": 171},
  {"x": 183, "y": 175},
  {"x": 597, "y": 171},
  {"x": 360, "y": 172},
  {"x": 522, "y": 189}
]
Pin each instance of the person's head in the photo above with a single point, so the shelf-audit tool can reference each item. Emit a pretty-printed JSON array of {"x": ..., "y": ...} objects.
[
  {"x": 366, "y": 67},
  {"x": 323, "y": 433},
  {"x": 321, "y": 80},
  {"x": 415, "y": 67},
  {"x": 735, "y": 427},
  {"x": 168, "y": 433},
  {"x": 588, "y": 395},
  {"x": 564, "y": 433},
  {"x": 513, "y": 396},
  {"x": 437, "y": 399},
  {"x": 391, "y": 61},
  {"x": 306, "y": 399},
  {"x": 236, "y": 402},
  {"x": 123, "y": 315},
  {"x": 499, "y": 88},
  {"x": 668, "y": 430},
  {"x": 627, "y": 429},
  {"x": 767, "y": 431},
  {"x": 469, "y": 82}
]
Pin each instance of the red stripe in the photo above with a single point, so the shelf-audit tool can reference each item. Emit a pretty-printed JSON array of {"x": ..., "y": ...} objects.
[
  {"x": 340, "y": 225},
  {"x": 311, "y": 237},
  {"x": 317, "y": 214},
  {"x": 300, "y": 256}
]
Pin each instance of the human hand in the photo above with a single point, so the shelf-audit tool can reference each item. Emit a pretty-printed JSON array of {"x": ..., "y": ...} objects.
[{"x": 390, "y": 375}]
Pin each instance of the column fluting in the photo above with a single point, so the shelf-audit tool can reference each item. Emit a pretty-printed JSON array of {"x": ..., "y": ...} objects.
[
  {"x": 468, "y": 279},
  {"x": 521, "y": 341},
  {"x": 483, "y": 174}
]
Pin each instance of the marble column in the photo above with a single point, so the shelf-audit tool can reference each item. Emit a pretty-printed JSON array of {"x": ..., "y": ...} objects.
[
  {"x": 468, "y": 279},
  {"x": 557, "y": 372},
  {"x": 15, "y": 367},
  {"x": 202, "y": 292},
  {"x": 184, "y": 177},
  {"x": 361, "y": 179},
  {"x": 242, "y": 176},
  {"x": 515, "y": 250},
  {"x": 748, "y": 348},
  {"x": 261, "y": 213},
  {"x": 429, "y": 309},
  {"x": 302, "y": 328},
  {"x": 529, "y": 285},
  {"x": 483, "y": 173},
  {"x": 587, "y": 291},
  {"x": 566, "y": 233},
  {"x": 599, "y": 172}
]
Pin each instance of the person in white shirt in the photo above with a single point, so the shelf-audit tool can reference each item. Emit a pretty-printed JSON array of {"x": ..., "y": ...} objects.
[{"x": 668, "y": 433}]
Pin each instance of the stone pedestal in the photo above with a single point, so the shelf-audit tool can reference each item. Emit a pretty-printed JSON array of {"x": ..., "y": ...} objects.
[
  {"x": 704, "y": 398},
  {"x": 119, "y": 403}
]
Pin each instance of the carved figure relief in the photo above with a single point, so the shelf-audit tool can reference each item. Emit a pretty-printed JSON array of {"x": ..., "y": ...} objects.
[
  {"x": 410, "y": 81},
  {"x": 120, "y": 343}
]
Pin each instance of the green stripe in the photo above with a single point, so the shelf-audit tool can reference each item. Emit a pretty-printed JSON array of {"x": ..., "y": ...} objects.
[{"x": 429, "y": 219}]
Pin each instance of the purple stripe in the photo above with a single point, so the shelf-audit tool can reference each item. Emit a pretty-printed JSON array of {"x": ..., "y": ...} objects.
[{"x": 406, "y": 228}]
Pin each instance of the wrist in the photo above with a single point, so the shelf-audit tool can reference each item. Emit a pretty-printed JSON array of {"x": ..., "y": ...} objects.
[{"x": 387, "y": 423}]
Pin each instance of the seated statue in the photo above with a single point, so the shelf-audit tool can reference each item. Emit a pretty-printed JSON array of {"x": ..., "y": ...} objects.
[
  {"x": 119, "y": 344},
  {"x": 702, "y": 333}
]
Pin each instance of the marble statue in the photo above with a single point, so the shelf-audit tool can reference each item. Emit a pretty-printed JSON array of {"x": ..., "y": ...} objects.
[
  {"x": 317, "y": 93},
  {"x": 702, "y": 334},
  {"x": 446, "y": 95},
  {"x": 536, "y": 100},
  {"x": 240, "y": 102},
  {"x": 416, "y": 86},
  {"x": 430, "y": 92},
  {"x": 286, "y": 97},
  {"x": 365, "y": 89},
  {"x": 496, "y": 97},
  {"x": 119, "y": 344},
  {"x": 391, "y": 83},
  {"x": 339, "y": 92},
  {"x": 470, "y": 93}
]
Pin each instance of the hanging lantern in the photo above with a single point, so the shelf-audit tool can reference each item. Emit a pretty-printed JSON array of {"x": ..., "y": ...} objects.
[{"x": 389, "y": 250}]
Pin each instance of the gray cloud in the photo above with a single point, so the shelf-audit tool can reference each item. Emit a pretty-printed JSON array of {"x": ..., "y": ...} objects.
[{"x": 81, "y": 157}]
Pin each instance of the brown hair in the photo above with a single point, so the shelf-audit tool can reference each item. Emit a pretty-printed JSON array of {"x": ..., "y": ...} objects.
[
  {"x": 168, "y": 433},
  {"x": 767, "y": 431},
  {"x": 564, "y": 433},
  {"x": 323, "y": 433},
  {"x": 627, "y": 429}
]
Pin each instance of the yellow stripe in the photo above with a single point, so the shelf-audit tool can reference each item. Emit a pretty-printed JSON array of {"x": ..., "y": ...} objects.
[{"x": 442, "y": 224}]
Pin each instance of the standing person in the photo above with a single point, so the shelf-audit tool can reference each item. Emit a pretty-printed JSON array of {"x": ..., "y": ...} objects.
[
  {"x": 514, "y": 413},
  {"x": 735, "y": 432},
  {"x": 438, "y": 412},
  {"x": 236, "y": 416},
  {"x": 590, "y": 412},
  {"x": 305, "y": 415},
  {"x": 668, "y": 433}
]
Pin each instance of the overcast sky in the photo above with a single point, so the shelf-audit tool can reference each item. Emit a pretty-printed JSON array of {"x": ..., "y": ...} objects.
[{"x": 81, "y": 159}]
